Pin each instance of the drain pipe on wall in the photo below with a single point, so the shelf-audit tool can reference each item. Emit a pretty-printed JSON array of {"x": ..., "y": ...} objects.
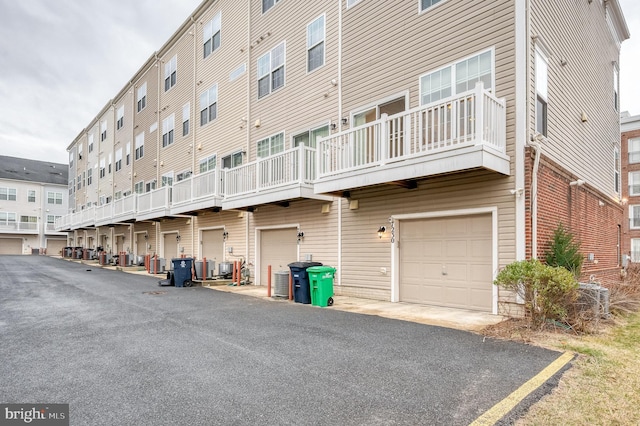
[{"x": 535, "y": 144}]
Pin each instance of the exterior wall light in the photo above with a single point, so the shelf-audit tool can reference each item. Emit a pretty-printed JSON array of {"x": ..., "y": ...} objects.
[{"x": 381, "y": 231}]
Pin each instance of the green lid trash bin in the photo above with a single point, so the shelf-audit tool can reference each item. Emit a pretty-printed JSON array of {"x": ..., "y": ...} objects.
[{"x": 321, "y": 285}]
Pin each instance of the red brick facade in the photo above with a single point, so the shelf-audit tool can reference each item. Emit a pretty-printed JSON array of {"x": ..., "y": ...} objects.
[
  {"x": 628, "y": 165},
  {"x": 593, "y": 218}
]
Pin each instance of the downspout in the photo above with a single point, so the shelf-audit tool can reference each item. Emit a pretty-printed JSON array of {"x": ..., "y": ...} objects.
[
  {"x": 340, "y": 199},
  {"x": 248, "y": 126},
  {"x": 534, "y": 198}
]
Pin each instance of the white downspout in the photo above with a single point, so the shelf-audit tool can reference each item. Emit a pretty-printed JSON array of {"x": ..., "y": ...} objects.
[{"x": 340, "y": 199}]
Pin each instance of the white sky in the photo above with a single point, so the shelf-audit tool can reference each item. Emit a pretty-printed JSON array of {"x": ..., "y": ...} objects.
[{"x": 62, "y": 60}]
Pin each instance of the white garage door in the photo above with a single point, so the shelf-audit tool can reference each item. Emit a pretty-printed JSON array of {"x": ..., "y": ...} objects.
[
  {"x": 213, "y": 246},
  {"x": 10, "y": 245},
  {"x": 54, "y": 247},
  {"x": 278, "y": 248},
  {"x": 447, "y": 262},
  {"x": 170, "y": 248},
  {"x": 141, "y": 244}
]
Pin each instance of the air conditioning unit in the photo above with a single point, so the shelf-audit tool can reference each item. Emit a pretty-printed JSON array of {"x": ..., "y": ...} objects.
[{"x": 594, "y": 297}]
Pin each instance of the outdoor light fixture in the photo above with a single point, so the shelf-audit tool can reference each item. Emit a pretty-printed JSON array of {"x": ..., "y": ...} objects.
[
  {"x": 146, "y": 236},
  {"x": 225, "y": 235},
  {"x": 300, "y": 235},
  {"x": 178, "y": 238},
  {"x": 381, "y": 231}
]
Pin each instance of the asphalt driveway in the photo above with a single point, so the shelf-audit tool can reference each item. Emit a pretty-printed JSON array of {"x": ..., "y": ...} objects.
[{"x": 122, "y": 351}]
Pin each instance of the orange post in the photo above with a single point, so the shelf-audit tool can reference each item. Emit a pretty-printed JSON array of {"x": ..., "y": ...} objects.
[
  {"x": 233, "y": 274},
  {"x": 204, "y": 268},
  {"x": 269, "y": 281},
  {"x": 147, "y": 261},
  {"x": 239, "y": 273},
  {"x": 290, "y": 286}
]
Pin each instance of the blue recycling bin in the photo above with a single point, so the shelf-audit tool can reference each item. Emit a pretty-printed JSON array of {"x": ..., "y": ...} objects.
[
  {"x": 182, "y": 271},
  {"x": 300, "y": 281}
]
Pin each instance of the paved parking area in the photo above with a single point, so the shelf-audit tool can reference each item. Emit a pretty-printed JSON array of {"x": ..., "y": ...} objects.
[{"x": 121, "y": 350}]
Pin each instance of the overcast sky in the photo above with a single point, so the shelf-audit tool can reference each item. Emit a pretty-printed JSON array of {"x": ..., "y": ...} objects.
[{"x": 62, "y": 60}]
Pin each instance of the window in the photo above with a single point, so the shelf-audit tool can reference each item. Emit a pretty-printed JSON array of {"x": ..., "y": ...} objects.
[
  {"x": 109, "y": 164},
  {"x": 635, "y": 249},
  {"x": 271, "y": 145},
  {"x": 118, "y": 159},
  {"x": 51, "y": 219},
  {"x": 150, "y": 186},
  {"x": 140, "y": 146},
  {"x": 209, "y": 105},
  {"x": 89, "y": 176},
  {"x": 54, "y": 198},
  {"x": 80, "y": 145},
  {"x": 207, "y": 164},
  {"x": 268, "y": 4},
  {"x": 271, "y": 70},
  {"x": 235, "y": 74},
  {"x": 616, "y": 170},
  {"x": 141, "y": 97},
  {"x": 616, "y": 87},
  {"x": 28, "y": 219},
  {"x": 138, "y": 188},
  {"x": 8, "y": 194},
  {"x": 7, "y": 219},
  {"x": 315, "y": 44},
  {"x": 103, "y": 170},
  {"x": 310, "y": 138},
  {"x": 231, "y": 161},
  {"x": 541, "y": 92},
  {"x": 426, "y": 4},
  {"x": 128, "y": 153},
  {"x": 457, "y": 78},
  {"x": 634, "y": 217},
  {"x": 182, "y": 176},
  {"x": 167, "y": 179},
  {"x": 170, "y": 73},
  {"x": 120, "y": 118},
  {"x": 31, "y": 196},
  {"x": 634, "y": 183},
  {"x": 71, "y": 187},
  {"x": 71, "y": 155},
  {"x": 103, "y": 130},
  {"x": 634, "y": 150},
  {"x": 117, "y": 195},
  {"x": 90, "y": 147},
  {"x": 167, "y": 130},
  {"x": 186, "y": 113},
  {"x": 211, "y": 35},
  {"x": 79, "y": 180}
]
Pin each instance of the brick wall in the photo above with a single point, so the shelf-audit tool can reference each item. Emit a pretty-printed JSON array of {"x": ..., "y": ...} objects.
[
  {"x": 628, "y": 233},
  {"x": 593, "y": 218}
]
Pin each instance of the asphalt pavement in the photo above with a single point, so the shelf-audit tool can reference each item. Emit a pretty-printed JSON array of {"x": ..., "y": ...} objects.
[{"x": 122, "y": 351}]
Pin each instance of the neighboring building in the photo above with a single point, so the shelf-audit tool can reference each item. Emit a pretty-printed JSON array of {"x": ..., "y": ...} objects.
[
  {"x": 630, "y": 132},
  {"x": 33, "y": 194},
  {"x": 277, "y": 131}
]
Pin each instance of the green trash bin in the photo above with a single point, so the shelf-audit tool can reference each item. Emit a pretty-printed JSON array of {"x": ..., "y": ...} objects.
[{"x": 321, "y": 285}]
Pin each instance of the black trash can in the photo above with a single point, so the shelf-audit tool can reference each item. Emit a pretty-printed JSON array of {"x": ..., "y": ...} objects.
[
  {"x": 300, "y": 278},
  {"x": 182, "y": 271}
]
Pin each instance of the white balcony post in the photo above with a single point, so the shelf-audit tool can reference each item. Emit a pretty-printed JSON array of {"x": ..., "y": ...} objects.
[
  {"x": 383, "y": 144},
  {"x": 302, "y": 163},
  {"x": 479, "y": 114}
]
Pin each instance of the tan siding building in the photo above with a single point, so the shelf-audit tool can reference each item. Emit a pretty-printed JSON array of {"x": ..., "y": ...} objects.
[{"x": 410, "y": 147}]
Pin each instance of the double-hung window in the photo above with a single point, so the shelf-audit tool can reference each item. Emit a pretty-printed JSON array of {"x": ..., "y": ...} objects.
[
  {"x": 8, "y": 194},
  {"x": 271, "y": 70},
  {"x": 207, "y": 164},
  {"x": 71, "y": 157},
  {"x": 167, "y": 179},
  {"x": 7, "y": 219},
  {"x": 138, "y": 188},
  {"x": 80, "y": 146},
  {"x": 54, "y": 198},
  {"x": 103, "y": 169},
  {"x": 616, "y": 87},
  {"x": 90, "y": 142},
  {"x": 542, "y": 83},
  {"x": 120, "y": 118},
  {"x": 209, "y": 105},
  {"x": 170, "y": 73},
  {"x": 139, "y": 147},
  {"x": 109, "y": 164},
  {"x": 271, "y": 145},
  {"x": 616, "y": 170},
  {"x": 315, "y": 43},
  {"x": 150, "y": 186},
  {"x": 426, "y": 4},
  {"x": 634, "y": 150},
  {"x": 103, "y": 130},
  {"x": 31, "y": 196},
  {"x": 634, "y": 217},
  {"x": 167, "y": 130},
  {"x": 141, "y": 96},
  {"x": 211, "y": 35},
  {"x": 89, "y": 176},
  {"x": 186, "y": 113},
  {"x": 634, "y": 183},
  {"x": 310, "y": 138},
  {"x": 119, "y": 159},
  {"x": 268, "y": 4},
  {"x": 79, "y": 181}
]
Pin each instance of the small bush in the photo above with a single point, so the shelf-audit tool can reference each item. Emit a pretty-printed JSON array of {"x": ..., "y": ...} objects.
[
  {"x": 564, "y": 251},
  {"x": 548, "y": 292}
]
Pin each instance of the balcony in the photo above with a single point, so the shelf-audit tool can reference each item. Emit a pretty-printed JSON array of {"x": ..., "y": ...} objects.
[
  {"x": 154, "y": 204},
  {"x": 278, "y": 178},
  {"x": 196, "y": 193},
  {"x": 462, "y": 132},
  {"x": 9, "y": 227},
  {"x": 124, "y": 209}
]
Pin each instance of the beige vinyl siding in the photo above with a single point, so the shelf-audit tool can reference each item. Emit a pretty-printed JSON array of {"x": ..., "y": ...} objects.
[
  {"x": 584, "y": 84},
  {"x": 123, "y": 179},
  {"x": 307, "y": 99},
  {"x": 234, "y": 225},
  {"x": 227, "y": 133},
  {"x": 145, "y": 168},
  {"x": 106, "y": 148},
  {"x": 81, "y": 166},
  {"x": 92, "y": 193}
]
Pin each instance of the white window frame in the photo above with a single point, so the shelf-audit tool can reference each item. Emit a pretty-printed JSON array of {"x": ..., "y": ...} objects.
[
  {"x": 186, "y": 116},
  {"x": 103, "y": 130},
  {"x": 168, "y": 126},
  {"x": 139, "y": 146},
  {"x": 271, "y": 148},
  {"x": 120, "y": 117},
  {"x": 351, "y": 3},
  {"x": 616, "y": 87},
  {"x": 209, "y": 103},
  {"x": 150, "y": 186},
  {"x": 236, "y": 73},
  {"x": 54, "y": 197},
  {"x": 313, "y": 43},
  {"x": 89, "y": 176},
  {"x": 7, "y": 218},
  {"x": 170, "y": 73},
  {"x": 109, "y": 163},
  {"x": 264, "y": 71},
  {"x": 128, "y": 154},
  {"x": 119, "y": 159},
  {"x": 433, "y": 5},
  {"x": 210, "y": 30},
  {"x": 103, "y": 168},
  {"x": 90, "y": 142},
  {"x": 269, "y": 4},
  {"x": 166, "y": 179},
  {"x": 31, "y": 196},
  {"x": 616, "y": 171},
  {"x": 141, "y": 97},
  {"x": 138, "y": 187},
  {"x": 542, "y": 91},
  {"x": 309, "y": 132},
  {"x": 207, "y": 164},
  {"x": 8, "y": 194},
  {"x": 80, "y": 146},
  {"x": 233, "y": 159},
  {"x": 183, "y": 175},
  {"x": 634, "y": 220},
  {"x": 635, "y": 251}
]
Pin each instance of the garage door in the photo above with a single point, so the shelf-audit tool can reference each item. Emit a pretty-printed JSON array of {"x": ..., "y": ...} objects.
[
  {"x": 447, "y": 262},
  {"x": 10, "y": 245},
  {"x": 213, "y": 245},
  {"x": 54, "y": 247},
  {"x": 141, "y": 244},
  {"x": 278, "y": 248},
  {"x": 170, "y": 248}
]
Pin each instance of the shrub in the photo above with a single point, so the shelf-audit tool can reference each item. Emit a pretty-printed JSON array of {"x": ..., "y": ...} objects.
[
  {"x": 548, "y": 292},
  {"x": 564, "y": 251}
]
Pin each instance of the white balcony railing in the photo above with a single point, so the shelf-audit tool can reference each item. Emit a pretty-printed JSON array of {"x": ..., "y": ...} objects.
[
  {"x": 28, "y": 227},
  {"x": 195, "y": 188},
  {"x": 294, "y": 166},
  {"x": 156, "y": 200},
  {"x": 125, "y": 207},
  {"x": 475, "y": 117}
]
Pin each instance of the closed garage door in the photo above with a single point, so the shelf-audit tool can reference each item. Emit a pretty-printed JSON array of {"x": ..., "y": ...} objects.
[
  {"x": 170, "y": 248},
  {"x": 10, "y": 245},
  {"x": 447, "y": 262},
  {"x": 278, "y": 248},
  {"x": 213, "y": 245},
  {"x": 54, "y": 247}
]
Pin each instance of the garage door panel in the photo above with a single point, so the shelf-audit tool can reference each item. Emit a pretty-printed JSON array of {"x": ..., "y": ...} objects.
[
  {"x": 278, "y": 248},
  {"x": 54, "y": 247},
  {"x": 213, "y": 245},
  {"x": 10, "y": 245},
  {"x": 461, "y": 247}
]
